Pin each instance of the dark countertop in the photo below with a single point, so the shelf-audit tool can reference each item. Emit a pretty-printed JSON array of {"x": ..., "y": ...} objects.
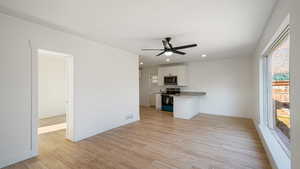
[
  {"x": 185, "y": 93},
  {"x": 192, "y": 93}
]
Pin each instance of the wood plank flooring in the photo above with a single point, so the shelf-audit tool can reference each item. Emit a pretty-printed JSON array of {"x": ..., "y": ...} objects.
[
  {"x": 157, "y": 141},
  {"x": 52, "y": 120}
]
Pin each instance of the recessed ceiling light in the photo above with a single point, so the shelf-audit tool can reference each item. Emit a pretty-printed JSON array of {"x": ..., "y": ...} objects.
[
  {"x": 203, "y": 55},
  {"x": 141, "y": 63},
  {"x": 168, "y": 53},
  {"x": 168, "y": 59}
]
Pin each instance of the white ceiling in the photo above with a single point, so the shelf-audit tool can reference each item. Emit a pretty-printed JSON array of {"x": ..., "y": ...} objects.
[{"x": 221, "y": 28}]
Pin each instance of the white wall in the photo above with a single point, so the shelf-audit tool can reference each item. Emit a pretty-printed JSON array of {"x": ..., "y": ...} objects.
[
  {"x": 277, "y": 156},
  {"x": 105, "y": 85},
  {"x": 280, "y": 12},
  {"x": 228, "y": 83},
  {"x": 52, "y": 80},
  {"x": 295, "y": 80}
]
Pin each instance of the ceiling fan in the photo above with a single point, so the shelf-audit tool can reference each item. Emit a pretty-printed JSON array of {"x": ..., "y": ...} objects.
[{"x": 168, "y": 48}]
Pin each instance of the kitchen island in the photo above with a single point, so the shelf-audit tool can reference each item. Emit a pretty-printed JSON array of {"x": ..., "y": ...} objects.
[{"x": 186, "y": 105}]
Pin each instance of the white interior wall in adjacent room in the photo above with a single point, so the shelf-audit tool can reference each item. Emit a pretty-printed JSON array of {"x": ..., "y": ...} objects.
[
  {"x": 106, "y": 87},
  {"x": 147, "y": 88},
  {"x": 51, "y": 76},
  {"x": 228, "y": 83},
  {"x": 295, "y": 83}
]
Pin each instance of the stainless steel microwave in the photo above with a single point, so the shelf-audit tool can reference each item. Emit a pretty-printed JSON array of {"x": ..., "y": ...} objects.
[{"x": 170, "y": 80}]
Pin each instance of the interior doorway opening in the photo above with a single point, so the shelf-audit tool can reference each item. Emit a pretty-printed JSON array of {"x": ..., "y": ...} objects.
[{"x": 55, "y": 92}]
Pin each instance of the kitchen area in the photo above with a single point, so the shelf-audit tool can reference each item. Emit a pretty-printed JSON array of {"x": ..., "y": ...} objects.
[{"x": 163, "y": 87}]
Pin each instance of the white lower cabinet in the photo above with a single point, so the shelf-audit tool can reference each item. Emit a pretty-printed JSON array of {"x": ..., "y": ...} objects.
[
  {"x": 186, "y": 107},
  {"x": 158, "y": 101}
]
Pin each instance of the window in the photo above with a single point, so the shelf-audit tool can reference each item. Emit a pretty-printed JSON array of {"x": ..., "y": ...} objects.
[{"x": 277, "y": 113}]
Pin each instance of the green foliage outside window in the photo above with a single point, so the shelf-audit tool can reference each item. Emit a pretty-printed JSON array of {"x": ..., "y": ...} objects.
[{"x": 281, "y": 77}]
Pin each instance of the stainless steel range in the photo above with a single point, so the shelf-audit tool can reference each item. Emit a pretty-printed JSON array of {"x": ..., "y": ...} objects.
[{"x": 167, "y": 100}]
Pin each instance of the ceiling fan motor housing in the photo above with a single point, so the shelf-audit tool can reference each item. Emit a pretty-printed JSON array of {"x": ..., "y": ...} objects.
[{"x": 168, "y": 47}]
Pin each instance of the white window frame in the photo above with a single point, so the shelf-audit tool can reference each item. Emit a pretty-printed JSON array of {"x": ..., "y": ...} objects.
[
  {"x": 279, "y": 158},
  {"x": 268, "y": 118}
]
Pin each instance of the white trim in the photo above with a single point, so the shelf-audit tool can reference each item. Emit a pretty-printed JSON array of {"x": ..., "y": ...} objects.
[
  {"x": 69, "y": 65},
  {"x": 34, "y": 99},
  {"x": 270, "y": 121},
  {"x": 69, "y": 61},
  {"x": 53, "y": 53},
  {"x": 281, "y": 28},
  {"x": 77, "y": 139},
  {"x": 277, "y": 156},
  {"x": 267, "y": 92},
  {"x": 280, "y": 141}
]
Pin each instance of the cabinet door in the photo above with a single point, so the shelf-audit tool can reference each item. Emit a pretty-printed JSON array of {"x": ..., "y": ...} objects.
[
  {"x": 172, "y": 71},
  {"x": 179, "y": 71},
  {"x": 158, "y": 101},
  {"x": 182, "y": 76},
  {"x": 165, "y": 71},
  {"x": 161, "y": 75}
]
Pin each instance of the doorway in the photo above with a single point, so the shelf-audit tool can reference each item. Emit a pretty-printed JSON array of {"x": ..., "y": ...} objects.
[{"x": 54, "y": 92}]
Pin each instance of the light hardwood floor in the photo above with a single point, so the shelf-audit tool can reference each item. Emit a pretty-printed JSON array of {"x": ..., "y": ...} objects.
[
  {"x": 157, "y": 141},
  {"x": 52, "y": 120}
]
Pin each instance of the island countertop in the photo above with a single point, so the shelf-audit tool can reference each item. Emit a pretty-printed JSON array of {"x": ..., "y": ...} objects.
[{"x": 184, "y": 93}]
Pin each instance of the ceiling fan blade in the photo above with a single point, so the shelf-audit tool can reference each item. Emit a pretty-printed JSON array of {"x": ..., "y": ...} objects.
[
  {"x": 165, "y": 43},
  {"x": 152, "y": 49},
  {"x": 185, "y": 46},
  {"x": 161, "y": 53},
  {"x": 178, "y": 52},
  {"x": 170, "y": 45}
]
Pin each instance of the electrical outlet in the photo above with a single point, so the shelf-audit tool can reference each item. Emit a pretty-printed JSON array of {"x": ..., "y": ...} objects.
[{"x": 129, "y": 116}]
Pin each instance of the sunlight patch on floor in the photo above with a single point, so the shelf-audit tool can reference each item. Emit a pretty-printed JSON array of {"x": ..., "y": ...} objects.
[{"x": 52, "y": 128}]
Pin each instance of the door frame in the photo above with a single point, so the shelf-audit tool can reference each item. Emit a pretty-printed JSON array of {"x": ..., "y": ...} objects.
[{"x": 69, "y": 62}]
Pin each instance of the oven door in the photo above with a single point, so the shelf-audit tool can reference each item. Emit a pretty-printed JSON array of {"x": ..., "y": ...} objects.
[
  {"x": 170, "y": 80},
  {"x": 167, "y": 103}
]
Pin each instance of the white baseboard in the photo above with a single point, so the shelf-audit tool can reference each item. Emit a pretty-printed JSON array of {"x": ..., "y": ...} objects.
[
  {"x": 77, "y": 139},
  {"x": 47, "y": 115},
  {"x": 276, "y": 155},
  {"x": 229, "y": 115}
]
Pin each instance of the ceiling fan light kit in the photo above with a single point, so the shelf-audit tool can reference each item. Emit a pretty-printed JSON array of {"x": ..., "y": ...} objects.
[
  {"x": 168, "y": 48},
  {"x": 168, "y": 53}
]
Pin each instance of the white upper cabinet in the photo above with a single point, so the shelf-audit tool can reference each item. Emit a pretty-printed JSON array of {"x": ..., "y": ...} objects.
[
  {"x": 182, "y": 77},
  {"x": 179, "y": 70},
  {"x": 162, "y": 72}
]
